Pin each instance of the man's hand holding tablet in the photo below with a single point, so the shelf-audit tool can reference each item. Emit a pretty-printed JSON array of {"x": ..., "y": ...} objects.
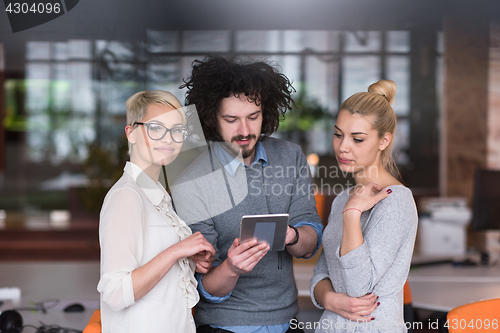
[{"x": 271, "y": 229}]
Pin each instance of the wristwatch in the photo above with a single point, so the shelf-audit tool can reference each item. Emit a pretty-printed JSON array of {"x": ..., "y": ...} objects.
[{"x": 296, "y": 239}]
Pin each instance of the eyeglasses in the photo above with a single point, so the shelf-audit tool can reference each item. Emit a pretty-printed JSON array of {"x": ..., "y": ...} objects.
[{"x": 158, "y": 132}]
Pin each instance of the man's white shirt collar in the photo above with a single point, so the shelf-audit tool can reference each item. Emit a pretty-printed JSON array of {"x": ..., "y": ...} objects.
[{"x": 232, "y": 163}]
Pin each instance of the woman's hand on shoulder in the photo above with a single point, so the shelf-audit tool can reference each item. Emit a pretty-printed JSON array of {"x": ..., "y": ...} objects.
[
  {"x": 364, "y": 197},
  {"x": 352, "y": 308}
]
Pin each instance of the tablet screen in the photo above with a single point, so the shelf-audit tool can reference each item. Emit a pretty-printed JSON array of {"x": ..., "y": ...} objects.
[
  {"x": 265, "y": 231},
  {"x": 270, "y": 228}
]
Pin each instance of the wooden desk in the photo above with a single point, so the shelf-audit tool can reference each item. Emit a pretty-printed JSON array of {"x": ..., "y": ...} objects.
[
  {"x": 70, "y": 282},
  {"x": 303, "y": 274},
  {"x": 437, "y": 288},
  {"x": 444, "y": 287},
  {"x": 56, "y": 317},
  {"x": 30, "y": 237}
]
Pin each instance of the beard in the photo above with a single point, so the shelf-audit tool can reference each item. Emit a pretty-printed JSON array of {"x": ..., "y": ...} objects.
[
  {"x": 247, "y": 152},
  {"x": 235, "y": 149}
]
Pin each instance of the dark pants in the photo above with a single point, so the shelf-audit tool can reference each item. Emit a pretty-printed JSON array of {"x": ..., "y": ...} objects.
[
  {"x": 409, "y": 316},
  {"x": 208, "y": 329},
  {"x": 296, "y": 330}
]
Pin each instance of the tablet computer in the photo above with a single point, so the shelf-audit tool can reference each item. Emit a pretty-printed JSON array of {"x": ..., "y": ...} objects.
[{"x": 269, "y": 228}]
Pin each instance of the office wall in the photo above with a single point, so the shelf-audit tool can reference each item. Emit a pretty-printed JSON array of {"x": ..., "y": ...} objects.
[
  {"x": 493, "y": 153},
  {"x": 465, "y": 101},
  {"x": 2, "y": 114}
]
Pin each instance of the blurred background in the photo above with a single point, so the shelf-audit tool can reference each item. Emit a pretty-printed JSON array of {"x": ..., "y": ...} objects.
[
  {"x": 64, "y": 84},
  {"x": 63, "y": 87}
]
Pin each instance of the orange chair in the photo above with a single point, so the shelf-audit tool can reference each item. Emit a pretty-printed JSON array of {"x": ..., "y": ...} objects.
[
  {"x": 320, "y": 206},
  {"x": 408, "y": 312},
  {"x": 475, "y": 317},
  {"x": 407, "y": 299},
  {"x": 94, "y": 325}
]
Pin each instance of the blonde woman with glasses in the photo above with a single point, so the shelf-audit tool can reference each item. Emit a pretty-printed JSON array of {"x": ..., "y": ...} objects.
[{"x": 148, "y": 254}]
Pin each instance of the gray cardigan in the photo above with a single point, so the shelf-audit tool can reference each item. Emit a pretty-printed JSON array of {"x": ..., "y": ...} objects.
[
  {"x": 379, "y": 265},
  {"x": 214, "y": 206}
]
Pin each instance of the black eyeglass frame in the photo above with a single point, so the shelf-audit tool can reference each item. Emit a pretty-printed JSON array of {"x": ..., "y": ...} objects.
[{"x": 166, "y": 131}]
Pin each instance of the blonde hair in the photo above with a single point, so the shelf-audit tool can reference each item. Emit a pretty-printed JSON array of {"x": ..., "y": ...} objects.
[
  {"x": 138, "y": 103},
  {"x": 377, "y": 103}
]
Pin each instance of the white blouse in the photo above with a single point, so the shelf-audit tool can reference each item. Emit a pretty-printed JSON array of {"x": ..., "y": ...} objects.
[{"x": 137, "y": 222}]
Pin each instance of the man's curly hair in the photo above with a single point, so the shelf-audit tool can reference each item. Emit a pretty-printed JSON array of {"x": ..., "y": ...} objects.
[{"x": 215, "y": 78}]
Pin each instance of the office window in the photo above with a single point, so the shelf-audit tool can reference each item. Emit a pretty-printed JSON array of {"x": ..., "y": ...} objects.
[
  {"x": 205, "y": 41},
  {"x": 363, "y": 41},
  {"x": 398, "y": 70},
  {"x": 316, "y": 41},
  {"x": 59, "y": 100},
  {"x": 74, "y": 91},
  {"x": 398, "y": 41},
  {"x": 359, "y": 72},
  {"x": 326, "y": 67},
  {"x": 258, "y": 41}
]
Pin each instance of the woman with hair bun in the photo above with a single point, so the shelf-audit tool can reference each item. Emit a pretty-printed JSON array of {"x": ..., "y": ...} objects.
[{"x": 368, "y": 242}]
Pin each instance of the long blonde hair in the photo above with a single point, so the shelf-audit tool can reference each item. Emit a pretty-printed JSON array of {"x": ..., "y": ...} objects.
[{"x": 377, "y": 103}]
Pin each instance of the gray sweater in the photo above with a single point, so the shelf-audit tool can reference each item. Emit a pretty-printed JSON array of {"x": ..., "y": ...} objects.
[
  {"x": 267, "y": 295},
  {"x": 379, "y": 265}
]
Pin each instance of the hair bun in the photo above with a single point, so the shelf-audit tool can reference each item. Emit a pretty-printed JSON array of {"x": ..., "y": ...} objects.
[{"x": 386, "y": 88}]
